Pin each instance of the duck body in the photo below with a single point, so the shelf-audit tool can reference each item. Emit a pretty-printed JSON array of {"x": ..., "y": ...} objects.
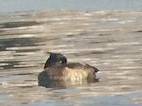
[{"x": 67, "y": 73}]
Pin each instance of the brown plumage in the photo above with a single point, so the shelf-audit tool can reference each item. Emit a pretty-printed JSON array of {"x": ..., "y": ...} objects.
[{"x": 57, "y": 69}]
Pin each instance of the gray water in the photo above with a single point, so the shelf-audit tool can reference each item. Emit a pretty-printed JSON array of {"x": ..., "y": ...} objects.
[
  {"x": 83, "y": 5},
  {"x": 108, "y": 40}
]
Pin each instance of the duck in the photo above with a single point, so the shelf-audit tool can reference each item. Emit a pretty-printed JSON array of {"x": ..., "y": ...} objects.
[{"x": 59, "y": 72}]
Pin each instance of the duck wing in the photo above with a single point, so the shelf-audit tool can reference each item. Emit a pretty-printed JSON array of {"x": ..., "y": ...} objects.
[
  {"x": 82, "y": 66},
  {"x": 75, "y": 65}
]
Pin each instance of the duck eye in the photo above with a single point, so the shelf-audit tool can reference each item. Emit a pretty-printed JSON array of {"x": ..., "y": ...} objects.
[{"x": 60, "y": 61}]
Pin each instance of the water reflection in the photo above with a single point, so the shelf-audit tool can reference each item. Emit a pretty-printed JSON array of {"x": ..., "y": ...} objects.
[
  {"x": 18, "y": 24},
  {"x": 105, "y": 39},
  {"x": 16, "y": 47}
]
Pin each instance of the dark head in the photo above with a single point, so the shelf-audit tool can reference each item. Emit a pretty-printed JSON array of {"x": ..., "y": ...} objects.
[{"x": 55, "y": 59}]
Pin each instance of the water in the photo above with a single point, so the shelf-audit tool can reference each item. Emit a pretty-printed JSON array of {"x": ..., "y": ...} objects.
[
  {"x": 83, "y": 5},
  {"x": 108, "y": 40}
]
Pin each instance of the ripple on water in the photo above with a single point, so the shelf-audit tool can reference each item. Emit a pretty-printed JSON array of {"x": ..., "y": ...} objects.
[{"x": 108, "y": 40}]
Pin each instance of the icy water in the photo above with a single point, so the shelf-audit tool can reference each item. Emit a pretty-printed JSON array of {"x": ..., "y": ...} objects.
[{"x": 108, "y": 40}]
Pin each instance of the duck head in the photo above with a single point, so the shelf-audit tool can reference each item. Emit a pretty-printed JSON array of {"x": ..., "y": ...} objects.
[{"x": 55, "y": 59}]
